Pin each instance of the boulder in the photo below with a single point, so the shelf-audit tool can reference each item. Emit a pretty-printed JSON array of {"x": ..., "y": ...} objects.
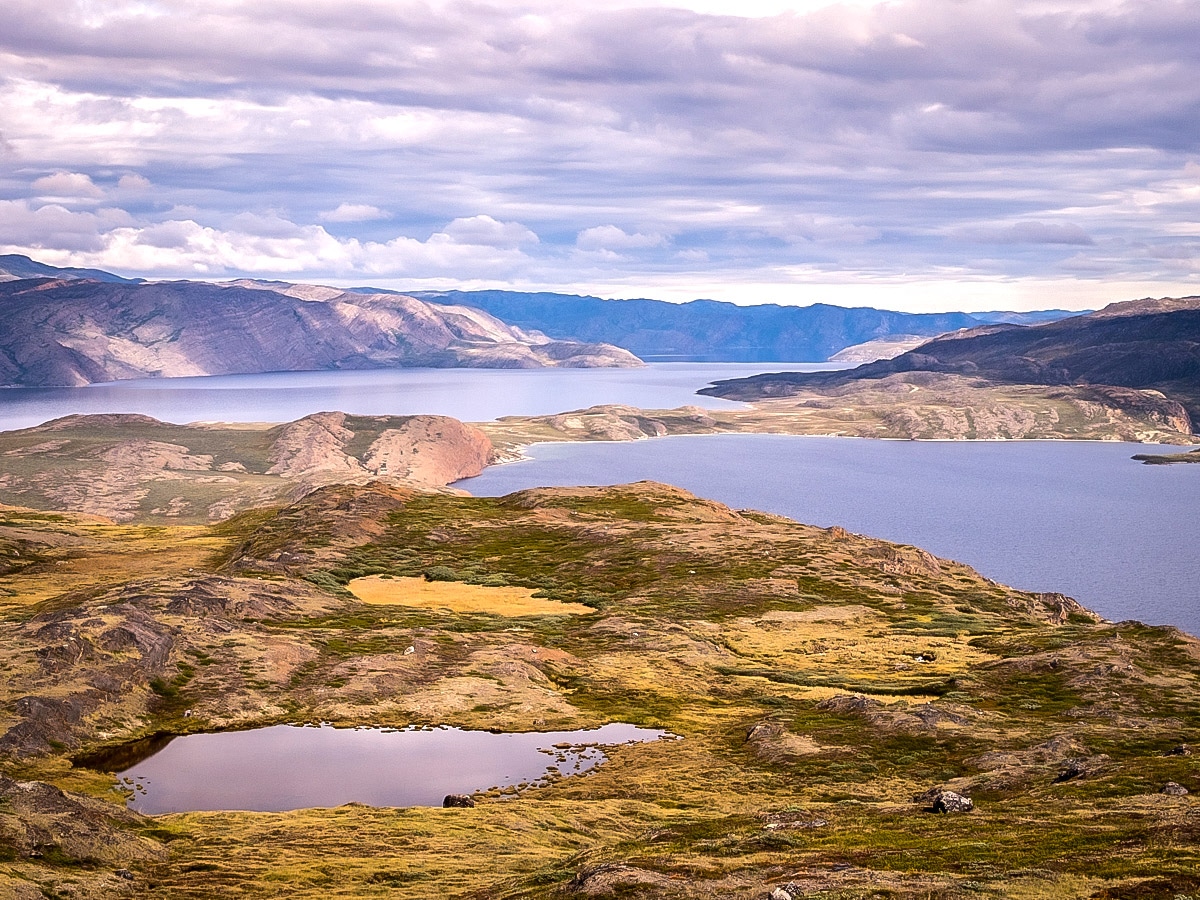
[
  {"x": 458, "y": 801},
  {"x": 943, "y": 801},
  {"x": 1174, "y": 789}
]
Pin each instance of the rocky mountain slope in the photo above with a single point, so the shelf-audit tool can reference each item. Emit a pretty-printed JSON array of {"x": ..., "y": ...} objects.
[
  {"x": 712, "y": 331},
  {"x": 14, "y": 267},
  {"x": 1148, "y": 346},
  {"x": 57, "y": 331}
]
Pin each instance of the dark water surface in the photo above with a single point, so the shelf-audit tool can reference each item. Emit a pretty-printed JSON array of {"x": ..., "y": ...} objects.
[
  {"x": 1078, "y": 517},
  {"x": 297, "y": 767},
  {"x": 472, "y": 395}
]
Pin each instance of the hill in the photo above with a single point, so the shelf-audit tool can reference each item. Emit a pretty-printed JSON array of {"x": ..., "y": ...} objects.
[
  {"x": 825, "y": 689},
  {"x": 14, "y": 267},
  {"x": 128, "y": 467},
  {"x": 75, "y": 331},
  {"x": 1146, "y": 345}
]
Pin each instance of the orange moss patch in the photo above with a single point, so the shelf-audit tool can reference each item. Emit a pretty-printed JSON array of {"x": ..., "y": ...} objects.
[{"x": 459, "y": 597}]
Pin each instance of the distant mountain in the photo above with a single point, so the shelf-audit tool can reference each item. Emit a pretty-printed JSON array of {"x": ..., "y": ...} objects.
[
  {"x": 75, "y": 326},
  {"x": 1144, "y": 344},
  {"x": 714, "y": 331},
  {"x": 14, "y": 267},
  {"x": 1036, "y": 317},
  {"x": 74, "y": 331}
]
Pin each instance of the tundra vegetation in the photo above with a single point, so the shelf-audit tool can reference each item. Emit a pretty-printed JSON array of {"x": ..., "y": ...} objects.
[{"x": 823, "y": 687}]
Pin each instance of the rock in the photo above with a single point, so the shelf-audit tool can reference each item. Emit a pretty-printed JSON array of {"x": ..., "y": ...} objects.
[
  {"x": 40, "y": 820},
  {"x": 1179, "y": 750},
  {"x": 46, "y": 721},
  {"x": 616, "y": 879},
  {"x": 1071, "y": 768},
  {"x": 458, "y": 801},
  {"x": 763, "y": 730},
  {"x": 780, "y": 894},
  {"x": 942, "y": 801},
  {"x": 1174, "y": 789},
  {"x": 124, "y": 873}
]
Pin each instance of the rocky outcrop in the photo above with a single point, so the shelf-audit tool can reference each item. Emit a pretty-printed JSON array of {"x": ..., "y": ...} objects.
[
  {"x": 314, "y": 445},
  {"x": 429, "y": 451},
  {"x": 1161, "y": 459},
  {"x": 127, "y": 651},
  {"x": 75, "y": 331},
  {"x": 616, "y": 880},
  {"x": 38, "y": 820}
]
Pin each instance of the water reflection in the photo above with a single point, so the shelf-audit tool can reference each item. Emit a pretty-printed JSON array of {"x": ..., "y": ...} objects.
[{"x": 296, "y": 767}]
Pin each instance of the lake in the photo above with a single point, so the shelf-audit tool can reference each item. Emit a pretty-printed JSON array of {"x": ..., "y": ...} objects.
[
  {"x": 472, "y": 395},
  {"x": 1072, "y": 516},
  {"x": 286, "y": 767},
  {"x": 1076, "y": 517}
]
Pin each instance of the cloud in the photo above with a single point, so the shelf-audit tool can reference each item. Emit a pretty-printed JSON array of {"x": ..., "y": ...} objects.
[
  {"x": 354, "y": 212},
  {"x": 1007, "y": 140},
  {"x": 55, "y": 227},
  {"x": 264, "y": 246},
  {"x": 1029, "y": 233},
  {"x": 484, "y": 231},
  {"x": 67, "y": 185},
  {"x": 610, "y": 237},
  {"x": 133, "y": 183}
]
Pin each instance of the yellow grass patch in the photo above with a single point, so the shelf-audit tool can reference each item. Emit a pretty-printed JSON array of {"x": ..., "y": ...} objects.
[
  {"x": 459, "y": 597},
  {"x": 87, "y": 553}
]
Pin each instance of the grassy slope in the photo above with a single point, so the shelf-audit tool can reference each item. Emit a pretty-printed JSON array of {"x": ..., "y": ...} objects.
[{"x": 872, "y": 672}]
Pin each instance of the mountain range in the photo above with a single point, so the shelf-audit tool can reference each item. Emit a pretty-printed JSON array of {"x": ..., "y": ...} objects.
[
  {"x": 1147, "y": 345},
  {"x": 714, "y": 331},
  {"x": 72, "y": 326}
]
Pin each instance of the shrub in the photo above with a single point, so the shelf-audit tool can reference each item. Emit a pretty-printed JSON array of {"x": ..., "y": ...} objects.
[{"x": 440, "y": 573}]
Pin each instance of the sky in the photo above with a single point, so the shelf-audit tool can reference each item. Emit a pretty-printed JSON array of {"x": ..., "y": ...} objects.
[{"x": 917, "y": 154}]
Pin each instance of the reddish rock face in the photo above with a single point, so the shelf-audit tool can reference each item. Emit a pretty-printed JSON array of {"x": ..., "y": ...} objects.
[{"x": 427, "y": 451}]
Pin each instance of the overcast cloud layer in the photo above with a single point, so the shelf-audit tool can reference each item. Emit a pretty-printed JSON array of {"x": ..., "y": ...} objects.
[{"x": 919, "y": 154}]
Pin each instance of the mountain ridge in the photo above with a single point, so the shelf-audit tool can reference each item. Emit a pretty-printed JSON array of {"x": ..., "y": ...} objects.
[
  {"x": 74, "y": 331},
  {"x": 1149, "y": 345},
  {"x": 713, "y": 330}
]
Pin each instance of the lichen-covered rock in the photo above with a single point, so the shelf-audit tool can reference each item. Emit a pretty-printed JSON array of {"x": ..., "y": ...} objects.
[
  {"x": 944, "y": 801},
  {"x": 1174, "y": 789},
  {"x": 616, "y": 879}
]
